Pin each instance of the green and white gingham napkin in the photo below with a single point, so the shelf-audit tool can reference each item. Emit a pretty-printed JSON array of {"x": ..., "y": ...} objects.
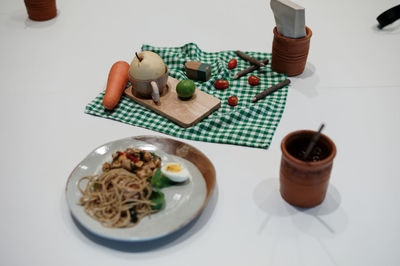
[{"x": 248, "y": 124}]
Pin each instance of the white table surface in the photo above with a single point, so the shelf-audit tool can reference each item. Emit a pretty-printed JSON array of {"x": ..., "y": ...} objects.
[{"x": 51, "y": 70}]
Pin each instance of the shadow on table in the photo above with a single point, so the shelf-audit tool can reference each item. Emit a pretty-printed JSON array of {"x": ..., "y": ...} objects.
[
  {"x": 306, "y": 82},
  {"x": 19, "y": 19},
  {"x": 308, "y": 72},
  {"x": 178, "y": 236},
  {"x": 393, "y": 28},
  {"x": 267, "y": 197}
]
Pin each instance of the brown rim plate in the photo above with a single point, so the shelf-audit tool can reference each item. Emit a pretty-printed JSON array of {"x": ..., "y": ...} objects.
[{"x": 183, "y": 203}]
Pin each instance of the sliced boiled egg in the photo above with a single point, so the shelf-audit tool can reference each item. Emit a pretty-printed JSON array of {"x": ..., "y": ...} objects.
[{"x": 175, "y": 171}]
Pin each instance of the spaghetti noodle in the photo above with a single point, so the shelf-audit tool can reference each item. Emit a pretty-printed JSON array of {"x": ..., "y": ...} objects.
[{"x": 118, "y": 197}]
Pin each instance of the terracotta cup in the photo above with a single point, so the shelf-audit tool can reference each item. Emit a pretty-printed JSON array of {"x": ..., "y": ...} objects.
[
  {"x": 150, "y": 89},
  {"x": 304, "y": 183},
  {"x": 41, "y": 9},
  {"x": 289, "y": 55}
]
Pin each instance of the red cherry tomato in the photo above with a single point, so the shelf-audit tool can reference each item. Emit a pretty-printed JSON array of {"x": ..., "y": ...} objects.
[
  {"x": 253, "y": 80},
  {"x": 233, "y": 100},
  {"x": 232, "y": 63},
  {"x": 221, "y": 84}
]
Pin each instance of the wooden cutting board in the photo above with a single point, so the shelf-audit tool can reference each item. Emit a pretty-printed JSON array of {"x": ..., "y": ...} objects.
[{"x": 184, "y": 113}]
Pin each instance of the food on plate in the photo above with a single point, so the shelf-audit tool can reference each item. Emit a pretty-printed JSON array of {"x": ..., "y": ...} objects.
[
  {"x": 233, "y": 100},
  {"x": 185, "y": 89},
  {"x": 127, "y": 190},
  {"x": 140, "y": 162},
  {"x": 253, "y": 80},
  {"x": 116, "y": 198},
  {"x": 116, "y": 83},
  {"x": 221, "y": 84},
  {"x": 232, "y": 64},
  {"x": 175, "y": 171},
  {"x": 146, "y": 65}
]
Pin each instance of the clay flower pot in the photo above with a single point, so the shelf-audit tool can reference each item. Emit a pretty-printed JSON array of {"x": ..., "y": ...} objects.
[
  {"x": 304, "y": 183},
  {"x": 41, "y": 9},
  {"x": 289, "y": 55}
]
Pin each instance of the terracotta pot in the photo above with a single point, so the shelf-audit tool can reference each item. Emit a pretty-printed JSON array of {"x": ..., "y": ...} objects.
[
  {"x": 148, "y": 89},
  {"x": 304, "y": 183},
  {"x": 289, "y": 55},
  {"x": 41, "y": 9}
]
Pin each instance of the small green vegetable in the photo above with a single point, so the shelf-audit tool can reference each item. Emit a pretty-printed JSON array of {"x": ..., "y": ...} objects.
[
  {"x": 158, "y": 198},
  {"x": 185, "y": 89},
  {"x": 155, "y": 156},
  {"x": 96, "y": 185},
  {"x": 155, "y": 180},
  {"x": 159, "y": 181}
]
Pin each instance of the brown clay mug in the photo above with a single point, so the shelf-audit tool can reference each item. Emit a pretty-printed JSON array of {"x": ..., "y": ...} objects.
[
  {"x": 41, "y": 10},
  {"x": 150, "y": 89},
  {"x": 303, "y": 183},
  {"x": 289, "y": 55}
]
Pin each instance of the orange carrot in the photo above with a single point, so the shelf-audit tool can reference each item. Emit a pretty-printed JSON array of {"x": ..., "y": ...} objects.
[{"x": 117, "y": 79}]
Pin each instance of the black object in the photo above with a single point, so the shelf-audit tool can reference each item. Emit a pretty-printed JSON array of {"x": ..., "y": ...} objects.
[
  {"x": 389, "y": 16},
  {"x": 133, "y": 213},
  {"x": 313, "y": 141}
]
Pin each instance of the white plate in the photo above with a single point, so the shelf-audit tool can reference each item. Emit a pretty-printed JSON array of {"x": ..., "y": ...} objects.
[{"x": 182, "y": 203}]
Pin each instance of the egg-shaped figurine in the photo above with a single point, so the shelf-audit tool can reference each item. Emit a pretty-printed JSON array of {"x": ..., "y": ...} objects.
[{"x": 175, "y": 172}]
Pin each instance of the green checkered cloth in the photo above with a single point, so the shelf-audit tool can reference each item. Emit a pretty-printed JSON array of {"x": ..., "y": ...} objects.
[{"x": 247, "y": 124}]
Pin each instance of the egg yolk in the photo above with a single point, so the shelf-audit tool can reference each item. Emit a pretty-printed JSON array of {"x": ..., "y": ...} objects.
[{"x": 174, "y": 168}]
